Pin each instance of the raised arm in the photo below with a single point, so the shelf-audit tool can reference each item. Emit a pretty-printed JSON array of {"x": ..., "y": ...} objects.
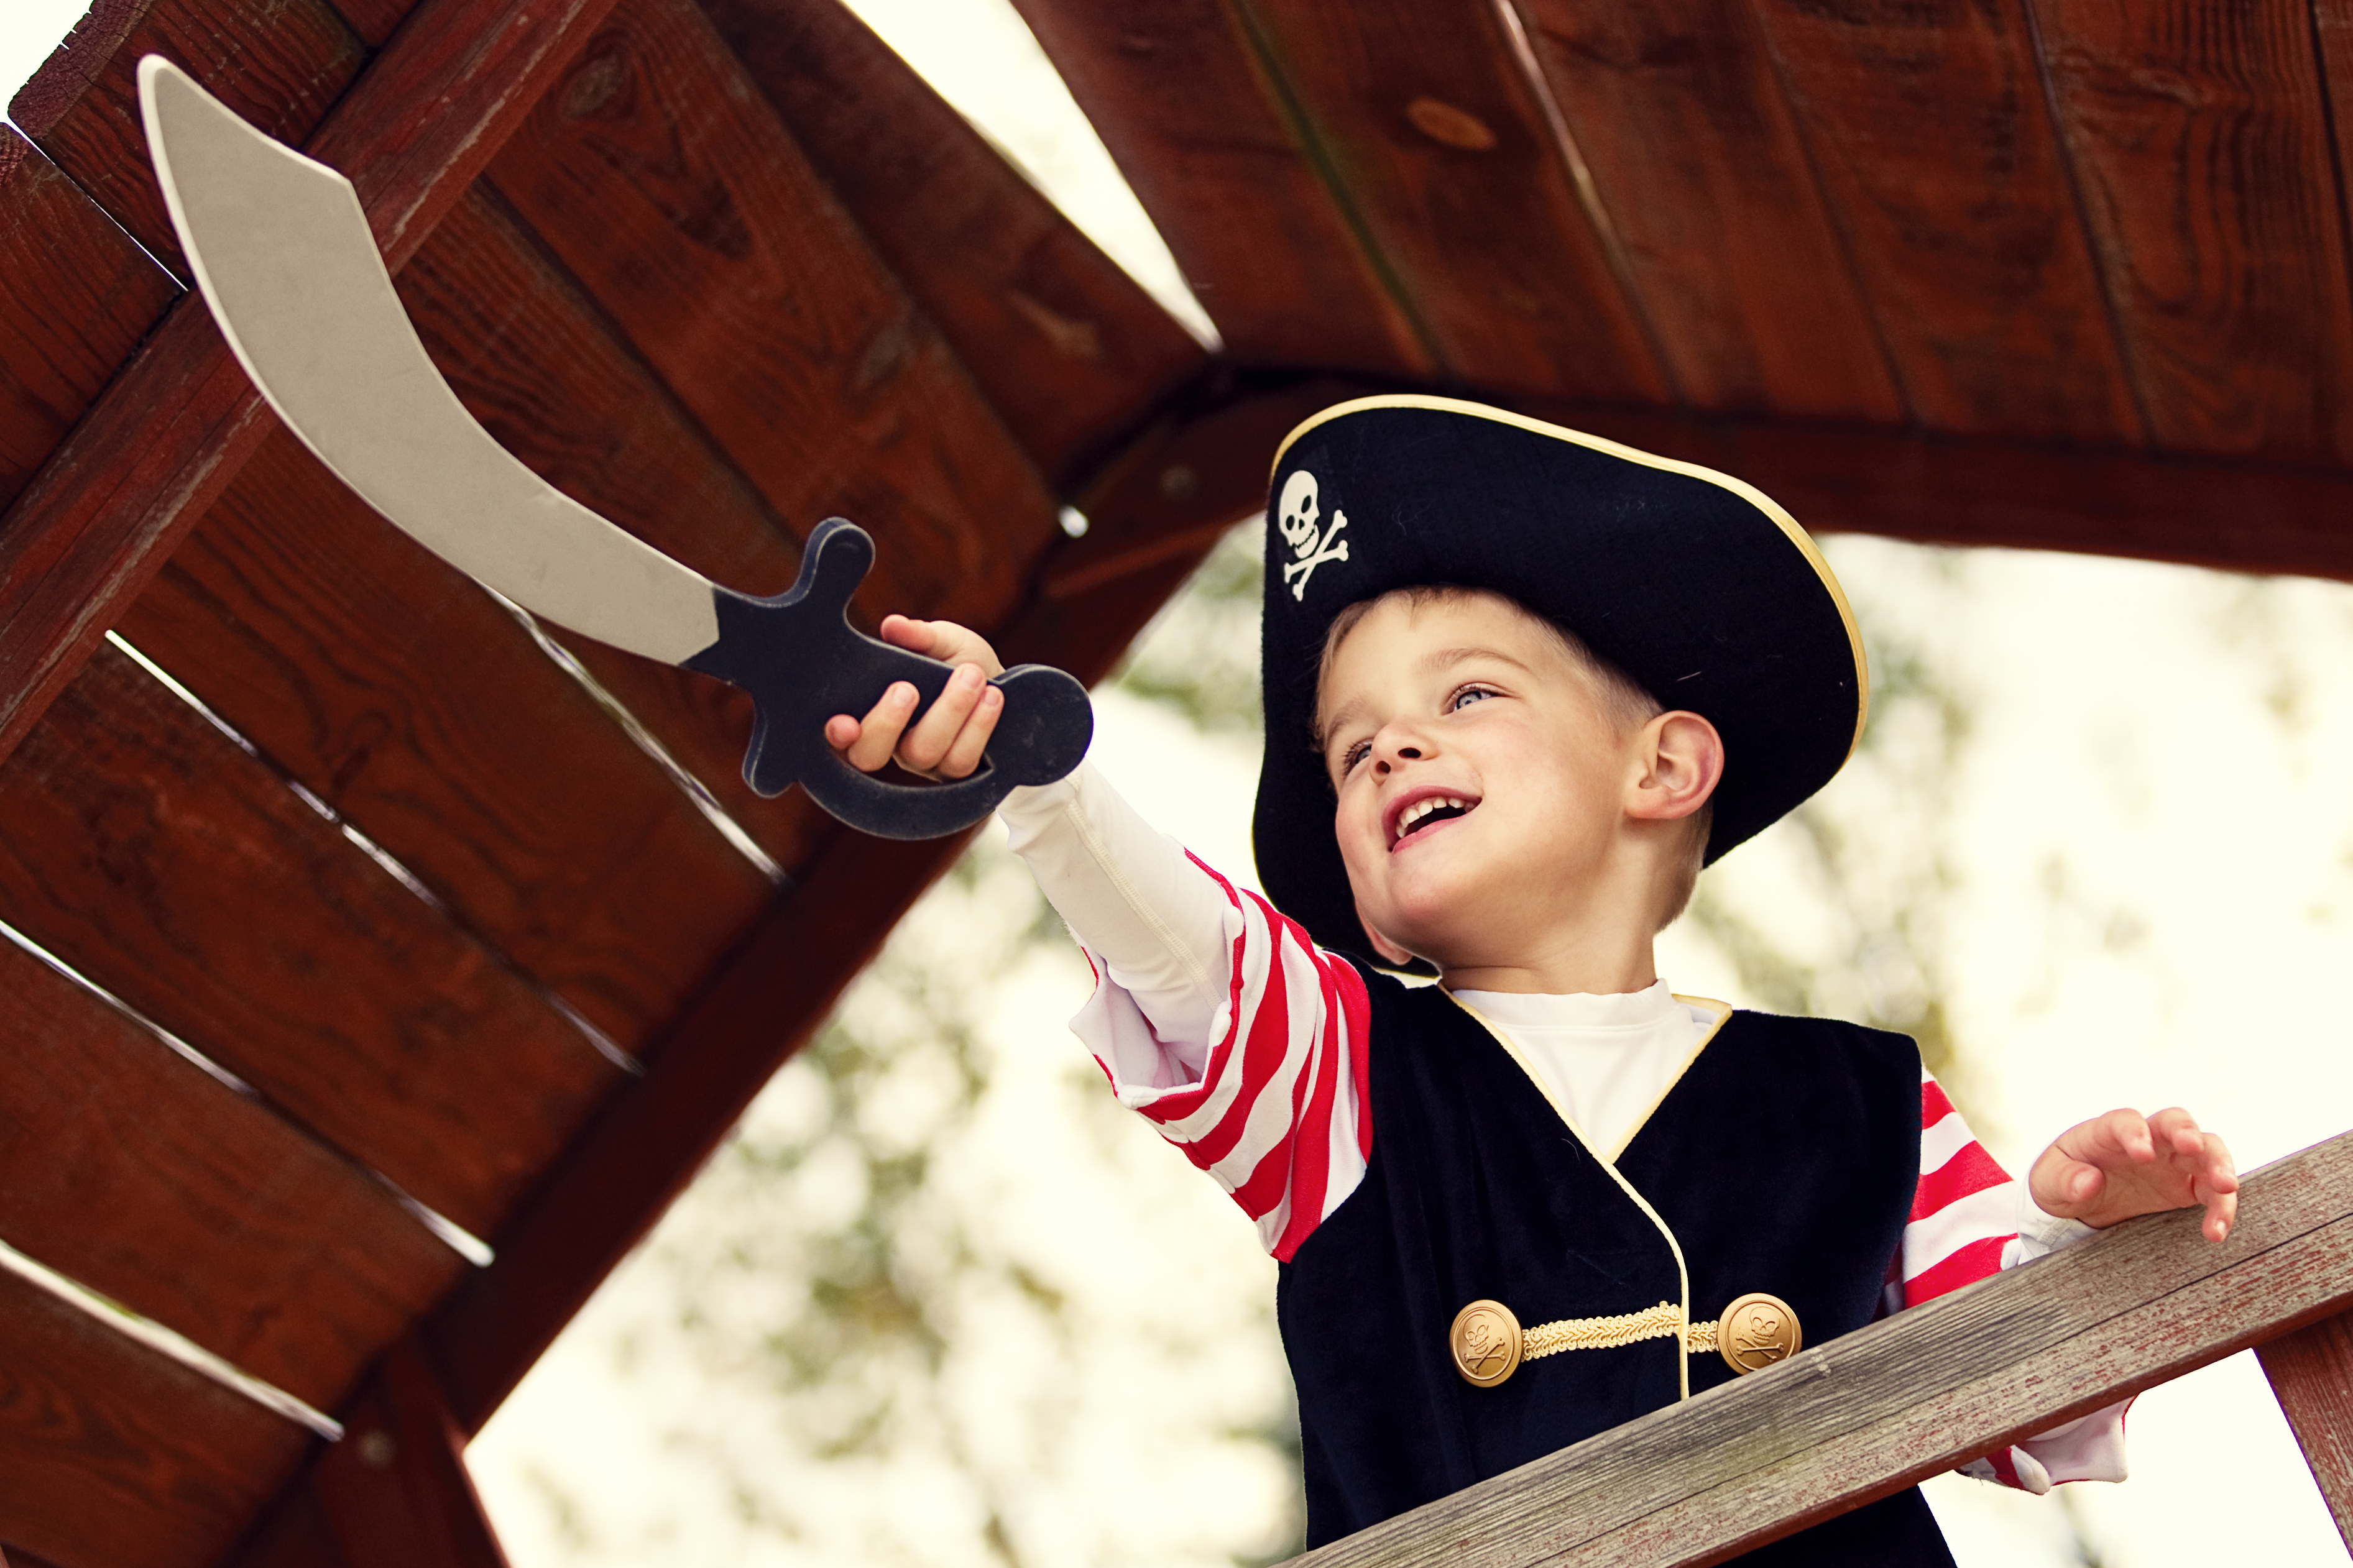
[{"x": 1215, "y": 1018}]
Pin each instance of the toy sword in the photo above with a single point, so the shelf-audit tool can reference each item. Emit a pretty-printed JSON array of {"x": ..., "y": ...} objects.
[{"x": 282, "y": 251}]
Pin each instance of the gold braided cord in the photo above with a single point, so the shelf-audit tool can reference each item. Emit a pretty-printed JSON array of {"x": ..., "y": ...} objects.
[{"x": 1664, "y": 1320}]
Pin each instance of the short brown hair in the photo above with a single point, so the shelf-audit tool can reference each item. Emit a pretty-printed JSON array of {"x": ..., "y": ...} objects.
[{"x": 1626, "y": 701}]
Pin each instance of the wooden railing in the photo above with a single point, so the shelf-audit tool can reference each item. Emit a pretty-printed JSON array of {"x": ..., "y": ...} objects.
[{"x": 1878, "y": 1410}]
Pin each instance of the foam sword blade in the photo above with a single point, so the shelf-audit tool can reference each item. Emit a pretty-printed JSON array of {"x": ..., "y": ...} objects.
[{"x": 282, "y": 251}]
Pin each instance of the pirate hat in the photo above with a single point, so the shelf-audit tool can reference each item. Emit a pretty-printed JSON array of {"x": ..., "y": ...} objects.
[{"x": 1695, "y": 584}]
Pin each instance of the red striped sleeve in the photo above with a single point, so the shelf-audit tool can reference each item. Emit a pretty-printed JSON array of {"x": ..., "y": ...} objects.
[{"x": 1279, "y": 1115}]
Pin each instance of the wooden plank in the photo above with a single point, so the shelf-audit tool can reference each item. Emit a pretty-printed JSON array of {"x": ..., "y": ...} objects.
[
  {"x": 402, "y": 695},
  {"x": 395, "y": 1492},
  {"x": 153, "y": 855},
  {"x": 1069, "y": 349},
  {"x": 533, "y": 359},
  {"x": 278, "y": 63},
  {"x": 2234, "y": 517},
  {"x": 658, "y": 174},
  {"x": 76, "y": 296},
  {"x": 113, "y": 1456},
  {"x": 1214, "y": 154},
  {"x": 1440, "y": 145},
  {"x": 130, "y": 1171},
  {"x": 2202, "y": 140},
  {"x": 374, "y": 20},
  {"x": 1676, "y": 109},
  {"x": 1929, "y": 132},
  {"x": 167, "y": 436},
  {"x": 2311, "y": 1372},
  {"x": 1877, "y": 1410},
  {"x": 651, "y": 1134}
]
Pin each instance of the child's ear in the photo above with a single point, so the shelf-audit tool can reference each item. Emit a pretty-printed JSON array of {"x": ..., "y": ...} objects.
[
  {"x": 1681, "y": 758},
  {"x": 1382, "y": 945}
]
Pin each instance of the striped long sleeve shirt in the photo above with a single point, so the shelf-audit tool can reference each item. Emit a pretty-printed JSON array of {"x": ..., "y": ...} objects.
[{"x": 1267, "y": 1093}]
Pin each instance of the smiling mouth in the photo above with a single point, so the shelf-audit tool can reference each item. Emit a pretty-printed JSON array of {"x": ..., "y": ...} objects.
[{"x": 1423, "y": 814}]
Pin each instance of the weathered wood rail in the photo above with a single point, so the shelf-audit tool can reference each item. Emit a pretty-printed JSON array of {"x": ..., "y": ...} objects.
[{"x": 1867, "y": 1415}]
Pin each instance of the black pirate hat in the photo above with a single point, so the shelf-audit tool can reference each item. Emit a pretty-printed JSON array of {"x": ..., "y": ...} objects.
[{"x": 1695, "y": 584}]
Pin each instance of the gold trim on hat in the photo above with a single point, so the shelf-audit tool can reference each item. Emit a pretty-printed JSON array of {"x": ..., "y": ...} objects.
[{"x": 1741, "y": 488}]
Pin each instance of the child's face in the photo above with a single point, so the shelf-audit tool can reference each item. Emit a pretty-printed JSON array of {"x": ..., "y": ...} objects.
[{"x": 1481, "y": 779}]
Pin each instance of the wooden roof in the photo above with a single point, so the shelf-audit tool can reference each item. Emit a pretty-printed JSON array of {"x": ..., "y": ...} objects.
[{"x": 2064, "y": 274}]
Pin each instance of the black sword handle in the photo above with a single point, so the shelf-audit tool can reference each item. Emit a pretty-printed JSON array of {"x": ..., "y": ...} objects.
[{"x": 803, "y": 662}]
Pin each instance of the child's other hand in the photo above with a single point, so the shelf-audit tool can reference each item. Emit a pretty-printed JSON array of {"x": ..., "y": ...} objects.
[
  {"x": 948, "y": 741},
  {"x": 2121, "y": 1164}
]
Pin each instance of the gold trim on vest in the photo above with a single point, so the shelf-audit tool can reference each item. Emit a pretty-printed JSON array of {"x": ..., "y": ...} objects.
[{"x": 1488, "y": 1343}]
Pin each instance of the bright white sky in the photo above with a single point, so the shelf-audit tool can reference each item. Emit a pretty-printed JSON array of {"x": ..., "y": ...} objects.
[{"x": 2171, "y": 751}]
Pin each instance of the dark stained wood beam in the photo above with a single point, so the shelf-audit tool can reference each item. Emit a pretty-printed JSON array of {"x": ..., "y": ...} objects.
[
  {"x": 113, "y": 1454},
  {"x": 395, "y": 1491},
  {"x": 280, "y": 64},
  {"x": 1218, "y": 158},
  {"x": 1677, "y": 111},
  {"x": 157, "y": 858},
  {"x": 130, "y": 1171},
  {"x": 393, "y": 1494},
  {"x": 1420, "y": 118},
  {"x": 2213, "y": 206},
  {"x": 76, "y": 296},
  {"x": 2234, "y": 517},
  {"x": 175, "y": 426},
  {"x": 1930, "y": 133},
  {"x": 2311, "y": 1372},
  {"x": 1065, "y": 345},
  {"x": 1909, "y": 1397}
]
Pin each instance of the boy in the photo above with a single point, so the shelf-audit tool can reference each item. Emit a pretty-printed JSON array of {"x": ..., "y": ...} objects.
[{"x": 1471, "y": 770}]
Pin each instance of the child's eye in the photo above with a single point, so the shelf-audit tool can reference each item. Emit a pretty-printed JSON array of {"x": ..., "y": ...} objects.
[
  {"x": 1467, "y": 696},
  {"x": 1352, "y": 755}
]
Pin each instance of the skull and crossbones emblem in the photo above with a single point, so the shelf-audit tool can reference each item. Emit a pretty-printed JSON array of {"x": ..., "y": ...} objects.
[{"x": 1299, "y": 518}]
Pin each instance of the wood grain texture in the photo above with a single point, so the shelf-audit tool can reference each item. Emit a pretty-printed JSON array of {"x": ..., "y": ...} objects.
[
  {"x": 1486, "y": 233},
  {"x": 375, "y": 21},
  {"x": 658, "y": 174},
  {"x": 395, "y": 1492},
  {"x": 1930, "y": 135},
  {"x": 112, "y": 1456},
  {"x": 280, "y": 64},
  {"x": 2311, "y": 1372},
  {"x": 1676, "y": 108},
  {"x": 1909, "y": 1397},
  {"x": 534, "y": 360},
  {"x": 76, "y": 296},
  {"x": 2234, "y": 517},
  {"x": 1068, "y": 348},
  {"x": 169, "y": 433},
  {"x": 2201, "y": 138},
  {"x": 149, "y": 852},
  {"x": 1204, "y": 137},
  {"x": 651, "y": 1134},
  {"x": 401, "y": 694},
  {"x": 130, "y": 1170}
]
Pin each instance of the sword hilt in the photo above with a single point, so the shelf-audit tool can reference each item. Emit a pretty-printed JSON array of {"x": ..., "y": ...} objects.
[{"x": 802, "y": 662}]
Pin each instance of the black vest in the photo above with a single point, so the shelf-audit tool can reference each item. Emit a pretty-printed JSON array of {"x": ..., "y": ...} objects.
[{"x": 1784, "y": 1161}]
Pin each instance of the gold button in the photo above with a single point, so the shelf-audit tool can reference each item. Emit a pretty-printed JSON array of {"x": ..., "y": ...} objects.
[
  {"x": 1757, "y": 1331},
  {"x": 1485, "y": 1341}
]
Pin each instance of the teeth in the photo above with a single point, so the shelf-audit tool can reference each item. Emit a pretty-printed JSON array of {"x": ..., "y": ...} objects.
[{"x": 1421, "y": 808}]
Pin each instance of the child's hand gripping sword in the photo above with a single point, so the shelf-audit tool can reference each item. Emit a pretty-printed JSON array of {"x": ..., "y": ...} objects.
[{"x": 284, "y": 255}]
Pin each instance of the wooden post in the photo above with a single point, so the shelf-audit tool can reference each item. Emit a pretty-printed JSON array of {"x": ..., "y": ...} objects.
[
  {"x": 394, "y": 1491},
  {"x": 2312, "y": 1374}
]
